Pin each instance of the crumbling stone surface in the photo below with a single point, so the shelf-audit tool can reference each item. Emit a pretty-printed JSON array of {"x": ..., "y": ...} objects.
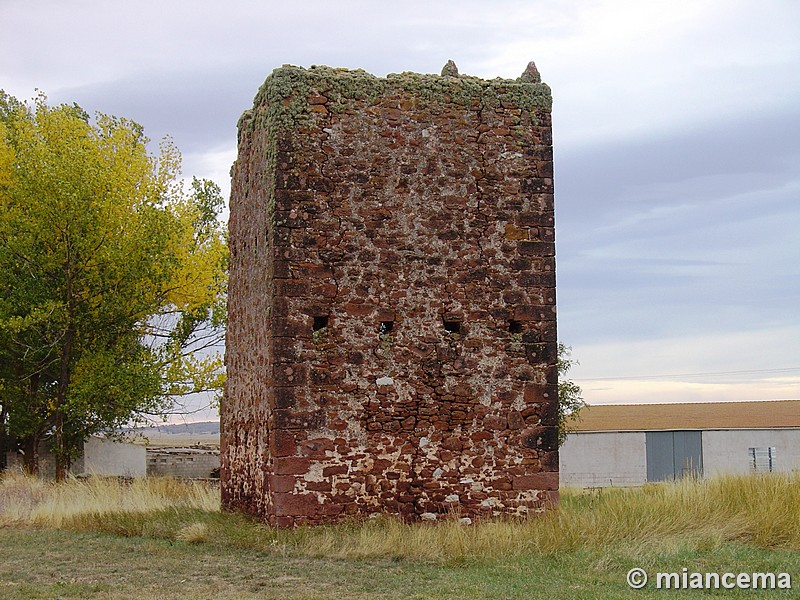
[{"x": 392, "y": 331}]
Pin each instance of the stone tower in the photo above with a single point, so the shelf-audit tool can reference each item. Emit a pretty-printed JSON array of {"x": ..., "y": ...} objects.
[{"x": 392, "y": 331}]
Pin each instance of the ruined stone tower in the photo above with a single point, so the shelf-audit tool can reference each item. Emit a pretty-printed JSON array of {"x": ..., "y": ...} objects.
[{"x": 392, "y": 332}]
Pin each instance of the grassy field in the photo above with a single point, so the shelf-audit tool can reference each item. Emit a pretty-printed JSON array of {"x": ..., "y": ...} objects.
[{"x": 160, "y": 538}]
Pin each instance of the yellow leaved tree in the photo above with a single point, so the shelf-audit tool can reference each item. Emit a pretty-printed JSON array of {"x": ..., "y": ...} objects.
[{"x": 112, "y": 277}]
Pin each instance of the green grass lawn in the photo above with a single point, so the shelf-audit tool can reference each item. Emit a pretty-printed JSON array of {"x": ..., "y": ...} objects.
[
  {"x": 166, "y": 539},
  {"x": 62, "y": 564}
]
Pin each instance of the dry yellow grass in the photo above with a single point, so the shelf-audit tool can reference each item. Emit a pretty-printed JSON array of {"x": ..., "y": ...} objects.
[
  {"x": 763, "y": 511},
  {"x": 194, "y": 533},
  {"x": 19, "y": 497},
  {"x": 581, "y": 550},
  {"x": 759, "y": 510},
  {"x": 29, "y": 501}
]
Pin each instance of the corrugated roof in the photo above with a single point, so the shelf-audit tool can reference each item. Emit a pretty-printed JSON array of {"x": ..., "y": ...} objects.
[{"x": 706, "y": 415}]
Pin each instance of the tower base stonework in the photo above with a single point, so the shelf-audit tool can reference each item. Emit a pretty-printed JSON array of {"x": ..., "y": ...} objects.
[{"x": 391, "y": 343}]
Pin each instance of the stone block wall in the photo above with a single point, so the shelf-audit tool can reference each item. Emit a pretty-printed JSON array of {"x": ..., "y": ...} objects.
[
  {"x": 391, "y": 341},
  {"x": 190, "y": 463}
]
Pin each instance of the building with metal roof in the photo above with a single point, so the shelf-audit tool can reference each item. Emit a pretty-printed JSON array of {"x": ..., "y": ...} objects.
[{"x": 631, "y": 444}]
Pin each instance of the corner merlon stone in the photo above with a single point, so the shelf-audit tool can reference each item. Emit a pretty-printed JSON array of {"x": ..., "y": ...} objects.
[{"x": 450, "y": 69}]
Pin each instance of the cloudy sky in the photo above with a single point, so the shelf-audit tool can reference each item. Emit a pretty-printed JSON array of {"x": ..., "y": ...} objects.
[{"x": 676, "y": 133}]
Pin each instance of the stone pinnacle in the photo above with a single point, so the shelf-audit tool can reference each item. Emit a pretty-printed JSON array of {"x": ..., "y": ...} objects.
[
  {"x": 450, "y": 69},
  {"x": 530, "y": 74}
]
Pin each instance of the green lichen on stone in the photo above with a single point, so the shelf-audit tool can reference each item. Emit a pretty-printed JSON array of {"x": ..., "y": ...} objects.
[
  {"x": 474, "y": 92},
  {"x": 281, "y": 104},
  {"x": 319, "y": 336},
  {"x": 281, "y": 101},
  {"x": 344, "y": 84}
]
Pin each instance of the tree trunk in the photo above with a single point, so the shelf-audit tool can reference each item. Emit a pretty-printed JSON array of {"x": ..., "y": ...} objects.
[
  {"x": 30, "y": 460},
  {"x": 30, "y": 443},
  {"x": 3, "y": 437},
  {"x": 60, "y": 449}
]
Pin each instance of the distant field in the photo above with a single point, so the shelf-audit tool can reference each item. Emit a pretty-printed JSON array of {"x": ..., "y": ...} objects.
[
  {"x": 161, "y": 538},
  {"x": 205, "y": 433},
  {"x": 181, "y": 440}
]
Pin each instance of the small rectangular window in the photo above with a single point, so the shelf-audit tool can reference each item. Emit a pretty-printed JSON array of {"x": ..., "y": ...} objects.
[
  {"x": 763, "y": 460},
  {"x": 320, "y": 323},
  {"x": 452, "y": 327}
]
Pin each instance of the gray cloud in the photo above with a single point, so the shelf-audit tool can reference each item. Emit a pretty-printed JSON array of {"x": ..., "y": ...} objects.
[
  {"x": 677, "y": 131},
  {"x": 693, "y": 232},
  {"x": 198, "y": 109}
]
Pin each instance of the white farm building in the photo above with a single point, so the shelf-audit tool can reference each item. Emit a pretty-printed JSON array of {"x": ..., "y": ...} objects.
[{"x": 628, "y": 445}]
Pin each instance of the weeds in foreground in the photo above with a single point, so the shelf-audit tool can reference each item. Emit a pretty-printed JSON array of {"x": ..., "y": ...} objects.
[
  {"x": 760, "y": 510},
  {"x": 30, "y": 501}
]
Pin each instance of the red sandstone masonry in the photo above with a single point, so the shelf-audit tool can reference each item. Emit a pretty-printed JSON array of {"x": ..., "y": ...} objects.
[{"x": 392, "y": 337}]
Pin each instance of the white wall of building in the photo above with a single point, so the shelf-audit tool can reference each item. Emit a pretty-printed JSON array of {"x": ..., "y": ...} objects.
[
  {"x": 107, "y": 457},
  {"x": 603, "y": 459},
  {"x": 728, "y": 450},
  {"x": 183, "y": 462}
]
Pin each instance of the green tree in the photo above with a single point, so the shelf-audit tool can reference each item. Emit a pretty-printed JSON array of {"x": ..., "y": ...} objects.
[
  {"x": 112, "y": 278},
  {"x": 570, "y": 401}
]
